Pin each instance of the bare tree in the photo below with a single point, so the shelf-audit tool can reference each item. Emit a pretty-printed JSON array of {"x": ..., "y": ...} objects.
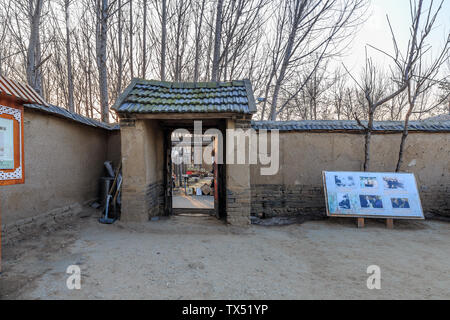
[
  {"x": 4, "y": 20},
  {"x": 402, "y": 73},
  {"x": 339, "y": 92},
  {"x": 101, "y": 43},
  {"x": 424, "y": 74},
  {"x": 180, "y": 32},
  {"x": 69, "y": 57},
  {"x": 311, "y": 27},
  {"x": 144, "y": 41},
  {"x": 395, "y": 109},
  {"x": 444, "y": 87},
  {"x": 33, "y": 55},
  {"x": 120, "y": 45},
  {"x": 285, "y": 47},
  {"x": 374, "y": 92},
  {"x": 198, "y": 29},
  {"x": 131, "y": 34},
  {"x": 163, "y": 38},
  {"x": 210, "y": 44},
  {"x": 217, "y": 40}
]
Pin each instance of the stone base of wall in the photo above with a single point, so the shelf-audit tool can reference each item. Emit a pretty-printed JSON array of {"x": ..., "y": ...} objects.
[
  {"x": 435, "y": 200},
  {"x": 238, "y": 207},
  {"x": 26, "y": 227},
  {"x": 155, "y": 199},
  {"x": 142, "y": 203},
  {"x": 269, "y": 201}
]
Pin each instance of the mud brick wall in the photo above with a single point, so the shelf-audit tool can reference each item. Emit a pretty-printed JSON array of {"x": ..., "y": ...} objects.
[
  {"x": 63, "y": 164},
  {"x": 142, "y": 159},
  {"x": 238, "y": 203},
  {"x": 436, "y": 199},
  {"x": 238, "y": 206},
  {"x": 270, "y": 201},
  {"x": 45, "y": 222},
  {"x": 155, "y": 199},
  {"x": 297, "y": 188}
]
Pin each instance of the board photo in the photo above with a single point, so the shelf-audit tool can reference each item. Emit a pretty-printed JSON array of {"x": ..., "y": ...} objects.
[{"x": 372, "y": 195}]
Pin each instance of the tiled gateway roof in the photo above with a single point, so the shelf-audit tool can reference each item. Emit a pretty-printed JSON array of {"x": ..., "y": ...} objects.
[
  {"x": 341, "y": 125},
  {"x": 63, "y": 113},
  {"x": 149, "y": 96}
]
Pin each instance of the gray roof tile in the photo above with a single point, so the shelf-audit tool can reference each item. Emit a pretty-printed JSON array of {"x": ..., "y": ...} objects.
[
  {"x": 64, "y": 113},
  {"x": 150, "y": 96},
  {"x": 331, "y": 125}
]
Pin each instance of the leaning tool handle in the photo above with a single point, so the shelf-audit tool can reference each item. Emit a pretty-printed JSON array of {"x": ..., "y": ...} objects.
[
  {"x": 119, "y": 184},
  {"x": 107, "y": 206},
  {"x": 115, "y": 179}
]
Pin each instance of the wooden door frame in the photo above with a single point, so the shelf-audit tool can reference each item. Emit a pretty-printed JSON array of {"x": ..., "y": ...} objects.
[
  {"x": 221, "y": 212},
  {"x": 167, "y": 173}
]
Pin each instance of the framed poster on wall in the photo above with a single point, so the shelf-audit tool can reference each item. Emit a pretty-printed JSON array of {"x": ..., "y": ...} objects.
[
  {"x": 372, "y": 195},
  {"x": 11, "y": 145}
]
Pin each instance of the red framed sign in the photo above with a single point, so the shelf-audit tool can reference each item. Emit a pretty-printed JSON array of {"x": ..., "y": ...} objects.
[{"x": 12, "y": 162}]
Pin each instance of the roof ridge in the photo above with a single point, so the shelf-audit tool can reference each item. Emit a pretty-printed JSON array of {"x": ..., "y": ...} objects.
[
  {"x": 195, "y": 84},
  {"x": 153, "y": 96},
  {"x": 64, "y": 113},
  {"x": 350, "y": 125}
]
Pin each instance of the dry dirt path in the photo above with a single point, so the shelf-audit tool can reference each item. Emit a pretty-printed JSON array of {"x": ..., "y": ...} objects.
[{"x": 201, "y": 258}]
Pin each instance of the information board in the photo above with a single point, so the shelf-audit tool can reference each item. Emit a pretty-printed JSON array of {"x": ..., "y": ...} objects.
[
  {"x": 11, "y": 145},
  {"x": 372, "y": 195},
  {"x": 6, "y": 144}
]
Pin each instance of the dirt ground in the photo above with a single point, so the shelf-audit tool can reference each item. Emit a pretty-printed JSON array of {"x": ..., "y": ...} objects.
[
  {"x": 202, "y": 258},
  {"x": 193, "y": 202}
]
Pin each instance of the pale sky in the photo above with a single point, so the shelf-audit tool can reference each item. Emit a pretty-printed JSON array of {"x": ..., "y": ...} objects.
[{"x": 376, "y": 32}]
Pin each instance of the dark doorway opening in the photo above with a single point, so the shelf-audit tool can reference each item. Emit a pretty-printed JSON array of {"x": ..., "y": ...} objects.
[{"x": 193, "y": 188}]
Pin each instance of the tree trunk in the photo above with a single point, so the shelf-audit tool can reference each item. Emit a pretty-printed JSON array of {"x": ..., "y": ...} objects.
[
  {"x": 403, "y": 141},
  {"x": 120, "y": 62},
  {"x": 39, "y": 67},
  {"x": 102, "y": 37},
  {"x": 131, "y": 40},
  {"x": 367, "y": 140},
  {"x": 198, "y": 42},
  {"x": 177, "y": 44},
  {"x": 280, "y": 79},
  {"x": 368, "y": 137},
  {"x": 91, "y": 100},
  {"x": 32, "y": 72},
  {"x": 217, "y": 40},
  {"x": 266, "y": 93},
  {"x": 210, "y": 45},
  {"x": 144, "y": 42},
  {"x": 69, "y": 57},
  {"x": 163, "y": 39}
]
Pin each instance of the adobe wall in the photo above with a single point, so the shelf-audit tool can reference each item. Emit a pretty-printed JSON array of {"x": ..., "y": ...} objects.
[
  {"x": 142, "y": 159},
  {"x": 63, "y": 164},
  {"x": 297, "y": 189},
  {"x": 238, "y": 182}
]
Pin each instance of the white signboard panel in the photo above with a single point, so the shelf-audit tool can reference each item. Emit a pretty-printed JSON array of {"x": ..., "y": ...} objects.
[
  {"x": 376, "y": 195},
  {"x": 6, "y": 143}
]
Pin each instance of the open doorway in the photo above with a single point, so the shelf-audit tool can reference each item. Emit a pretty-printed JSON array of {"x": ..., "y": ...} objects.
[
  {"x": 192, "y": 184},
  {"x": 194, "y": 187}
]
